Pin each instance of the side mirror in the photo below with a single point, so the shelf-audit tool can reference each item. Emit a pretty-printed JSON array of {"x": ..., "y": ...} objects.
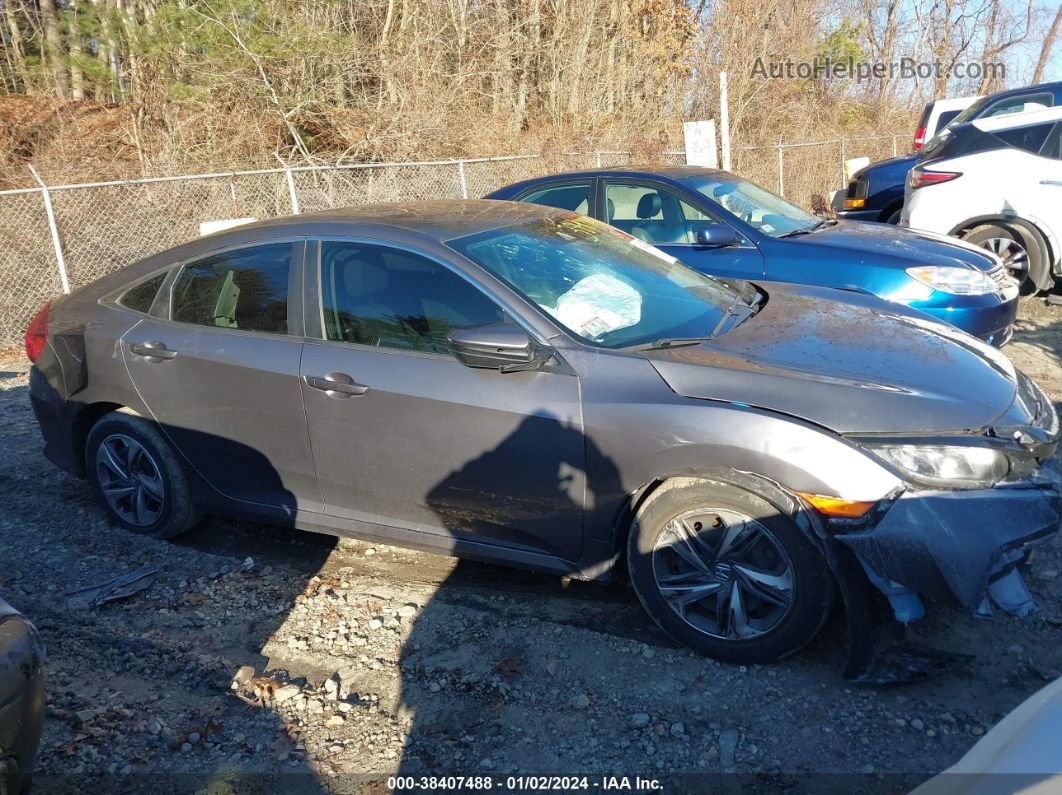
[
  {"x": 717, "y": 236},
  {"x": 498, "y": 347}
]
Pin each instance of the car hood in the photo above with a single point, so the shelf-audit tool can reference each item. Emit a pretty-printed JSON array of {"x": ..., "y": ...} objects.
[
  {"x": 850, "y": 363},
  {"x": 895, "y": 245},
  {"x": 900, "y": 165}
]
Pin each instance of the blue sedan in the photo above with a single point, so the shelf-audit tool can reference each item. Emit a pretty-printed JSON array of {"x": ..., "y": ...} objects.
[{"x": 726, "y": 226}]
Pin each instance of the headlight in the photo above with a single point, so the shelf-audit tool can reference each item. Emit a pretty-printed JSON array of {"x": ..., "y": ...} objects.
[
  {"x": 956, "y": 281},
  {"x": 949, "y": 466}
]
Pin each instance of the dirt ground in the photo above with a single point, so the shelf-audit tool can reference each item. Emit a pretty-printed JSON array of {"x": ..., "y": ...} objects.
[{"x": 370, "y": 661}]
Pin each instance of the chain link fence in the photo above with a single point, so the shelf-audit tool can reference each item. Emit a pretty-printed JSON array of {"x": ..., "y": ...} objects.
[{"x": 55, "y": 235}]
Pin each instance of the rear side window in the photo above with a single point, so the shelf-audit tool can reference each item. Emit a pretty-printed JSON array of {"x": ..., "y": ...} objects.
[
  {"x": 1028, "y": 139},
  {"x": 1053, "y": 146},
  {"x": 140, "y": 297},
  {"x": 245, "y": 289},
  {"x": 571, "y": 196}
]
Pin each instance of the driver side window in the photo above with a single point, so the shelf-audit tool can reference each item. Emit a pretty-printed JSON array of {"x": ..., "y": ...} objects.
[
  {"x": 654, "y": 214},
  {"x": 386, "y": 297}
]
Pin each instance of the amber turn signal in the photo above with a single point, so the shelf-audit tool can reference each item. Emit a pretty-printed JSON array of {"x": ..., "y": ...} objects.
[{"x": 835, "y": 506}]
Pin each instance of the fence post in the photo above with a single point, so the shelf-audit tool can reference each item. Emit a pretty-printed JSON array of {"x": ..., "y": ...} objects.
[
  {"x": 781, "y": 169},
  {"x": 50, "y": 212},
  {"x": 598, "y": 159},
  {"x": 843, "y": 183},
  {"x": 291, "y": 184},
  {"x": 894, "y": 152},
  {"x": 724, "y": 121},
  {"x": 464, "y": 181}
]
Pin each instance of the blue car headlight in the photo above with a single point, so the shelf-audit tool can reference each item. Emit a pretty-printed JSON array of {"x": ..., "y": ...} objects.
[{"x": 953, "y": 280}]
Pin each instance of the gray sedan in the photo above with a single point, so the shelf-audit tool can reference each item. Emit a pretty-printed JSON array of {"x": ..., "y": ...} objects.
[{"x": 524, "y": 385}]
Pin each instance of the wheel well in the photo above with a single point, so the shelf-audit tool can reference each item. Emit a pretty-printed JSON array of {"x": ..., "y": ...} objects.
[
  {"x": 890, "y": 209},
  {"x": 768, "y": 489},
  {"x": 87, "y": 417},
  {"x": 1028, "y": 227}
]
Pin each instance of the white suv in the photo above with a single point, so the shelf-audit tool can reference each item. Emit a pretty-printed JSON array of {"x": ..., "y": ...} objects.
[{"x": 996, "y": 182}]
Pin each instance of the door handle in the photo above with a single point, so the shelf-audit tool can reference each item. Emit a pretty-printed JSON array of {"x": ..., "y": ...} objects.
[
  {"x": 336, "y": 385},
  {"x": 152, "y": 350},
  {"x": 1056, "y": 182}
]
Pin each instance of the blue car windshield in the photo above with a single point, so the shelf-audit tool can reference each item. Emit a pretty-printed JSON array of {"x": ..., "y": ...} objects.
[
  {"x": 758, "y": 207},
  {"x": 601, "y": 284}
]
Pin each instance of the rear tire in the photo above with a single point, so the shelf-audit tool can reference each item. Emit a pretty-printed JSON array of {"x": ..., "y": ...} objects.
[
  {"x": 138, "y": 478},
  {"x": 894, "y": 217},
  {"x": 725, "y": 572},
  {"x": 1020, "y": 253}
]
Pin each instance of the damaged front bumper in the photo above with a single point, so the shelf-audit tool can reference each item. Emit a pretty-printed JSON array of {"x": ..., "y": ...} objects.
[{"x": 963, "y": 546}]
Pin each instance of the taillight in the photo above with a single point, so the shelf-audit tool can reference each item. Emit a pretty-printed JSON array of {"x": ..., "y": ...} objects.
[
  {"x": 920, "y": 179},
  {"x": 37, "y": 333},
  {"x": 920, "y": 138}
]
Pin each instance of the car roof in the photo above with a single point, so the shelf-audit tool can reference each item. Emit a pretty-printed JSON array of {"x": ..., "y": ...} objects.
[
  {"x": 1010, "y": 121},
  {"x": 678, "y": 172},
  {"x": 1051, "y": 87},
  {"x": 441, "y": 219},
  {"x": 953, "y": 103}
]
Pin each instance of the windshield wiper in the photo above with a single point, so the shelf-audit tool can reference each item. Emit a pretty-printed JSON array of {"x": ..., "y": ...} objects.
[
  {"x": 807, "y": 230},
  {"x": 737, "y": 308},
  {"x": 676, "y": 342},
  {"x": 803, "y": 230}
]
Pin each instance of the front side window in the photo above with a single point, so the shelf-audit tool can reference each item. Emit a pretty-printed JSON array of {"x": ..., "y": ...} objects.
[
  {"x": 245, "y": 289},
  {"x": 1020, "y": 104},
  {"x": 606, "y": 287},
  {"x": 653, "y": 214},
  {"x": 379, "y": 296},
  {"x": 574, "y": 196}
]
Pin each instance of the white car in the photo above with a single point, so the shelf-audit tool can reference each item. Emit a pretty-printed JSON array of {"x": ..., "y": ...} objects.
[
  {"x": 996, "y": 182},
  {"x": 937, "y": 115}
]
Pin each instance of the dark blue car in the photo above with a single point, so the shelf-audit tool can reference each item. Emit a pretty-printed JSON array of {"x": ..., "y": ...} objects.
[
  {"x": 875, "y": 193},
  {"x": 726, "y": 226}
]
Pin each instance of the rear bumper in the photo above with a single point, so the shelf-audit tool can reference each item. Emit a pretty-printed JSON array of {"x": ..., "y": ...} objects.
[
  {"x": 952, "y": 545},
  {"x": 55, "y": 417}
]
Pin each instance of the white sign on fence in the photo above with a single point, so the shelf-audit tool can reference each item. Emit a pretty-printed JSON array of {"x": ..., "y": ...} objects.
[{"x": 700, "y": 143}]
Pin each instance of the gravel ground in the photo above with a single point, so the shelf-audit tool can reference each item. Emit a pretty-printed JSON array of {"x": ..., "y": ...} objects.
[{"x": 260, "y": 652}]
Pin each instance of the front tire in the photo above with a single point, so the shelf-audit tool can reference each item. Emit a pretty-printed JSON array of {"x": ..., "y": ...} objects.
[
  {"x": 1020, "y": 254},
  {"x": 138, "y": 478},
  {"x": 725, "y": 572}
]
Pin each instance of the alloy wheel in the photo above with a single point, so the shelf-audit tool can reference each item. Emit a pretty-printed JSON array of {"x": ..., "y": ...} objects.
[
  {"x": 130, "y": 480},
  {"x": 723, "y": 573},
  {"x": 1012, "y": 252}
]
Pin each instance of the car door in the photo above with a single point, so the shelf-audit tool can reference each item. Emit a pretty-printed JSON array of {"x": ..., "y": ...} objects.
[
  {"x": 405, "y": 435},
  {"x": 661, "y": 216},
  {"x": 219, "y": 371},
  {"x": 1046, "y": 189}
]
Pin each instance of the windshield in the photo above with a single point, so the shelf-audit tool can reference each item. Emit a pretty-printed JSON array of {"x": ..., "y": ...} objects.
[
  {"x": 969, "y": 112},
  {"x": 756, "y": 206},
  {"x": 601, "y": 284}
]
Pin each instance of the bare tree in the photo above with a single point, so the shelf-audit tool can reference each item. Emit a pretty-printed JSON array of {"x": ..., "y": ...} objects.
[{"x": 1045, "y": 49}]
